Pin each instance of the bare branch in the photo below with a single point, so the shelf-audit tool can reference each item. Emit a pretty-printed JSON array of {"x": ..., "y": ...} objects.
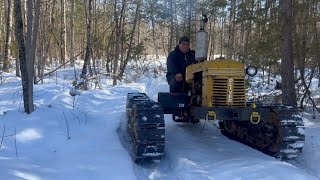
[
  {"x": 67, "y": 125},
  {"x": 15, "y": 141},
  {"x": 50, "y": 72}
]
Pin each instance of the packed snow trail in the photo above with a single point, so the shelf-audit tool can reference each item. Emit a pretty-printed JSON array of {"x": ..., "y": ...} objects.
[
  {"x": 94, "y": 151},
  {"x": 192, "y": 154}
]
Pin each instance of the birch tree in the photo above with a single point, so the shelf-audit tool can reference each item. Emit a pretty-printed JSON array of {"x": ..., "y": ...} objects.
[{"x": 6, "y": 59}]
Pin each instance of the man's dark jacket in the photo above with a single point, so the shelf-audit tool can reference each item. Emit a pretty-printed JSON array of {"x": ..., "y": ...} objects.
[{"x": 177, "y": 63}]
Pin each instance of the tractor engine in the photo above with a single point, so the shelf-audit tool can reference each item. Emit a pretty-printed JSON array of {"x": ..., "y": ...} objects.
[{"x": 218, "y": 83}]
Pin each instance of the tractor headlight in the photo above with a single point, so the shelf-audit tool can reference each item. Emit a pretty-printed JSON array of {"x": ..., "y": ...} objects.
[{"x": 251, "y": 71}]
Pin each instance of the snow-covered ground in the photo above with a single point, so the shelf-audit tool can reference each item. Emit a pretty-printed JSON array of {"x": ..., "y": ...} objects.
[{"x": 76, "y": 138}]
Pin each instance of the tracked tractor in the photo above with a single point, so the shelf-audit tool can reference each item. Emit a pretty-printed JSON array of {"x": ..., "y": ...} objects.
[{"x": 215, "y": 91}]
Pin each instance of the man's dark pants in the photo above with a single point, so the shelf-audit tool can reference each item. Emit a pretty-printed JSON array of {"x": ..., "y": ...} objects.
[{"x": 176, "y": 87}]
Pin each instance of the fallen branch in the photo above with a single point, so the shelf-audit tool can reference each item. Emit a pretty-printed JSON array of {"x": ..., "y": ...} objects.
[
  {"x": 2, "y": 80},
  {"x": 76, "y": 117},
  {"x": 116, "y": 75},
  {"x": 15, "y": 141},
  {"x": 52, "y": 71},
  {"x": 4, "y": 130},
  {"x": 313, "y": 103},
  {"x": 306, "y": 87},
  {"x": 67, "y": 125}
]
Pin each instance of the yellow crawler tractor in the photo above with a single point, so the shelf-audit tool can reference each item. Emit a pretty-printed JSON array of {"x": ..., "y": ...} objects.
[{"x": 215, "y": 91}]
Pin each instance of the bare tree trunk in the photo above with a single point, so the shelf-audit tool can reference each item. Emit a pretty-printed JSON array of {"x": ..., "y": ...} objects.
[
  {"x": 176, "y": 23},
  {"x": 241, "y": 41},
  {"x": 17, "y": 66},
  {"x": 24, "y": 14},
  {"x": 27, "y": 97},
  {"x": 44, "y": 47},
  {"x": 88, "y": 34},
  {"x": 316, "y": 34},
  {"x": 123, "y": 36},
  {"x": 35, "y": 32},
  {"x": 40, "y": 47},
  {"x": 155, "y": 47},
  {"x": 163, "y": 42},
  {"x": 287, "y": 63},
  {"x": 117, "y": 43},
  {"x": 6, "y": 60},
  {"x": 176, "y": 27},
  {"x": 210, "y": 41},
  {"x": 63, "y": 33},
  {"x": 138, "y": 27},
  {"x": 41, "y": 59},
  {"x": 47, "y": 39},
  {"x": 170, "y": 45},
  {"x": 94, "y": 52},
  {"x": 301, "y": 52},
  {"x": 52, "y": 28},
  {"x": 109, "y": 50},
  {"x": 136, "y": 19},
  {"x": 72, "y": 62},
  {"x": 22, "y": 54},
  {"x": 2, "y": 12},
  {"x": 248, "y": 33},
  {"x": 189, "y": 32},
  {"x": 222, "y": 37},
  {"x": 230, "y": 50},
  {"x": 72, "y": 35},
  {"x": 212, "y": 38}
]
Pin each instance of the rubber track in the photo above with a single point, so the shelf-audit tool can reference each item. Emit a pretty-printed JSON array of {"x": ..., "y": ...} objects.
[
  {"x": 290, "y": 130},
  {"x": 293, "y": 133},
  {"x": 147, "y": 128}
]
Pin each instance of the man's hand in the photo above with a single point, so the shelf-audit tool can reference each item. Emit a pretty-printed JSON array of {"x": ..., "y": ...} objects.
[{"x": 178, "y": 77}]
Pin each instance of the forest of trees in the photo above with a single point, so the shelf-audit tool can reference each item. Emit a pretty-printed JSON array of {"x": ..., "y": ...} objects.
[{"x": 109, "y": 34}]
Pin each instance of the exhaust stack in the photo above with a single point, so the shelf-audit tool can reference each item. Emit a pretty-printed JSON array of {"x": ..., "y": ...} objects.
[{"x": 202, "y": 41}]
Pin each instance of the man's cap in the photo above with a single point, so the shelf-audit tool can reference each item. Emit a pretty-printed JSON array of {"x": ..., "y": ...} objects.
[{"x": 184, "y": 39}]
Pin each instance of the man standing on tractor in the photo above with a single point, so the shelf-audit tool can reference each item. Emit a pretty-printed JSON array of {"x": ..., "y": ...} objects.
[{"x": 181, "y": 57}]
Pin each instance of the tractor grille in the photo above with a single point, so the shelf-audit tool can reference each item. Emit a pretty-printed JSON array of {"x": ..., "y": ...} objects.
[{"x": 228, "y": 92}]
